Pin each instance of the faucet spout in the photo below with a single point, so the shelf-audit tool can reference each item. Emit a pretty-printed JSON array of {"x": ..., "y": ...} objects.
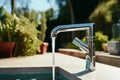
[
  {"x": 89, "y": 48},
  {"x": 70, "y": 27}
]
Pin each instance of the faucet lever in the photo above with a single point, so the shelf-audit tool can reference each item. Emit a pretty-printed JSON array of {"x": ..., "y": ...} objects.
[
  {"x": 84, "y": 47},
  {"x": 81, "y": 45}
]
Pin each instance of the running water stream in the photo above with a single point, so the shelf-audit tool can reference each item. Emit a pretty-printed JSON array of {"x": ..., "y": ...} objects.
[{"x": 53, "y": 58}]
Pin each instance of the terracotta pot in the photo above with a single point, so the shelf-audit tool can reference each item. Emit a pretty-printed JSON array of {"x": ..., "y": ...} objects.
[
  {"x": 6, "y": 49},
  {"x": 105, "y": 47},
  {"x": 43, "y": 47}
]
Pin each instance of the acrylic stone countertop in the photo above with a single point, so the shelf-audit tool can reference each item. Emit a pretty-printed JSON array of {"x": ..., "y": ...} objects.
[
  {"x": 73, "y": 65},
  {"x": 76, "y": 66}
]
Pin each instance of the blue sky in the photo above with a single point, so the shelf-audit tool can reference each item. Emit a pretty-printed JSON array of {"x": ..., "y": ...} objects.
[
  {"x": 42, "y": 5},
  {"x": 37, "y": 5}
]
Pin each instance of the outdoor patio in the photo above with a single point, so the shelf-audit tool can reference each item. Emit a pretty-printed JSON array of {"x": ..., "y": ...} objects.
[{"x": 73, "y": 65}]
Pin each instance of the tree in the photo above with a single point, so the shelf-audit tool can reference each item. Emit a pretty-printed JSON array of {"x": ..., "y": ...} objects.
[
  {"x": 72, "y": 11},
  {"x": 12, "y": 6},
  {"x": 12, "y": 3},
  {"x": 105, "y": 14}
]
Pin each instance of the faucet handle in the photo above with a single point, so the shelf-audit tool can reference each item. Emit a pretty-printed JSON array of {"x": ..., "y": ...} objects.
[{"x": 80, "y": 44}]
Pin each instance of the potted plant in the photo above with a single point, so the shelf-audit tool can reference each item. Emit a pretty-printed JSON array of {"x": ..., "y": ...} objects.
[
  {"x": 42, "y": 27},
  {"x": 27, "y": 41},
  {"x": 101, "y": 41},
  {"x": 7, "y": 34},
  {"x": 114, "y": 44}
]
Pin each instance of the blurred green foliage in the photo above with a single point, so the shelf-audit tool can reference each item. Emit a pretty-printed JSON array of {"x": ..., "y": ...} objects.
[
  {"x": 27, "y": 41},
  {"x": 116, "y": 31},
  {"x": 7, "y": 28},
  {"x": 99, "y": 39},
  {"x": 23, "y": 31},
  {"x": 107, "y": 13}
]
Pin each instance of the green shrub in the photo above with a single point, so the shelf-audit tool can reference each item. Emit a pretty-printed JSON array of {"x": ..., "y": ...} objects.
[
  {"x": 27, "y": 42},
  {"x": 23, "y": 32},
  {"x": 43, "y": 26},
  {"x": 99, "y": 39},
  {"x": 7, "y": 28}
]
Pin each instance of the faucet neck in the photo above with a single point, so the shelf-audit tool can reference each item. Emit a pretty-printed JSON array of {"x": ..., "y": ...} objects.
[{"x": 70, "y": 27}]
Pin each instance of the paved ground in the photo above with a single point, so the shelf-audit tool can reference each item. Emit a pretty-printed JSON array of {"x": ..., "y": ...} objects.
[{"x": 73, "y": 65}]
